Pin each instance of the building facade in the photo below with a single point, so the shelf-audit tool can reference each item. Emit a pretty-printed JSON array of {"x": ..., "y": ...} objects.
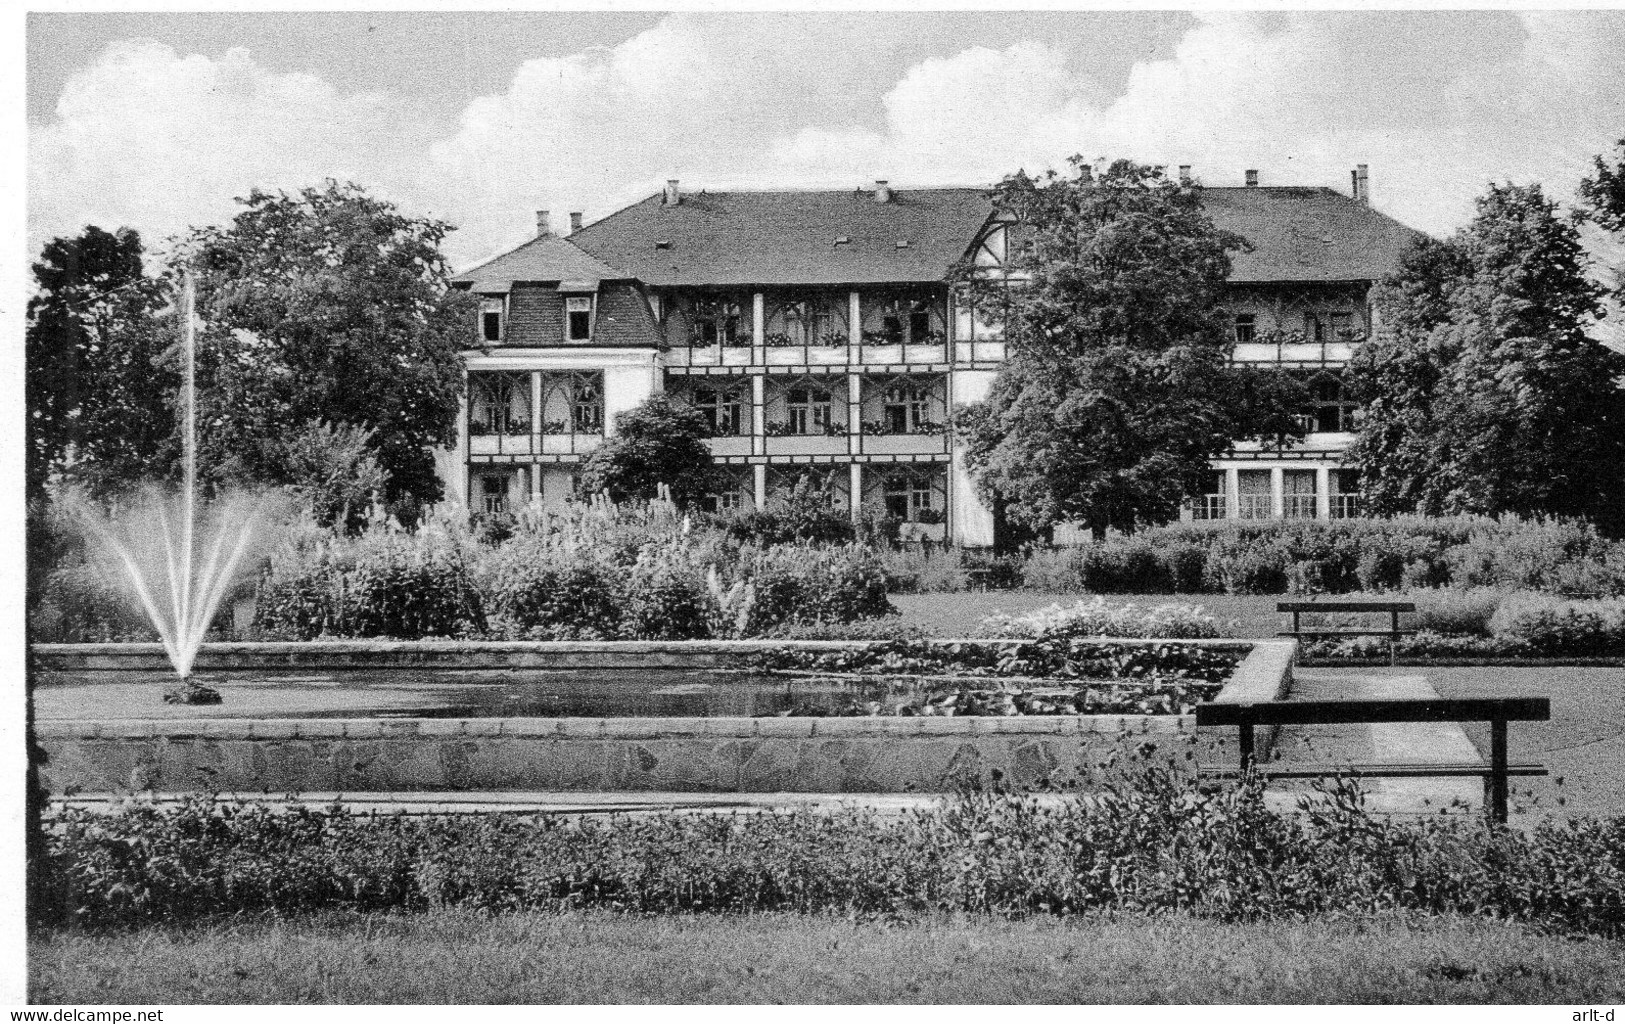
[{"x": 820, "y": 334}]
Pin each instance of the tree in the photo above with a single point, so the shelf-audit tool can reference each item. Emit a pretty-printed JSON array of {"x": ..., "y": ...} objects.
[
  {"x": 659, "y": 442},
  {"x": 1115, "y": 392},
  {"x": 329, "y": 306},
  {"x": 100, "y": 396},
  {"x": 1484, "y": 393},
  {"x": 1602, "y": 197}
]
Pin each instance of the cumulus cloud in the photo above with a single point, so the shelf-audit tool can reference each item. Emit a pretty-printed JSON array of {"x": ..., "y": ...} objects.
[
  {"x": 1437, "y": 104},
  {"x": 150, "y": 138}
]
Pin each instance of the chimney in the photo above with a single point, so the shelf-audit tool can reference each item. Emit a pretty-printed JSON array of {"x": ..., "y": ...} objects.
[
  {"x": 1184, "y": 174},
  {"x": 1252, "y": 179},
  {"x": 543, "y": 228},
  {"x": 882, "y": 191},
  {"x": 575, "y": 223},
  {"x": 1086, "y": 173},
  {"x": 673, "y": 195},
  {"x": 1362, "y": 184}
]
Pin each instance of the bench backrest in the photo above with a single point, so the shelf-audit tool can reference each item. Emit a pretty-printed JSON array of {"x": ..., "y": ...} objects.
[
  {"x": 1343, "y": 712},
  {"x": 1346, "y": 606}
]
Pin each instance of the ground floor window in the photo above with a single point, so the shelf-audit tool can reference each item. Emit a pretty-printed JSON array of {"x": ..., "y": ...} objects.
[
  {"x": 914, "y": 494},
  {"x": 1254, "y": 498},
  {"x": 1345, "y": 495},
  {"x": 731, "y": 490},
  {"x": 491, "y": 492},
  {"x": 1211, "y": 501},
  {"x": 1298, "y": 497}
]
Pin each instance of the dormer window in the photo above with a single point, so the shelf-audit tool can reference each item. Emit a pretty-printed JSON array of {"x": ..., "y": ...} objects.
[
  {"x": 578, "y": 316},
  {"x": 491, "y": 320}
]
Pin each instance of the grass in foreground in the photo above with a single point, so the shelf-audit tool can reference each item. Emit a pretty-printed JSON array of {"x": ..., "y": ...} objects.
[{"x": 597, "y": 957}]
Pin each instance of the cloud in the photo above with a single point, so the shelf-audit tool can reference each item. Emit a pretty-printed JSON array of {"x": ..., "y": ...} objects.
[
  {"x": 149, "y": 138},
  {"x": 1437, "y": 103}
]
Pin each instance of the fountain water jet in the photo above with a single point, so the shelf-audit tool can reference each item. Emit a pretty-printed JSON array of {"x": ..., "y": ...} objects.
[{"x": 158, "y": 547}]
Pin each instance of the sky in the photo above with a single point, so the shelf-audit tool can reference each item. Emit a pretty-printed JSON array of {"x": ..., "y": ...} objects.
[{"x": 158, "y": 120}]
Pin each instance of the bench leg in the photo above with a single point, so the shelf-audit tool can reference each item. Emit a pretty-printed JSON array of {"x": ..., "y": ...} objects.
[
  {"x": 1498, "y": 772},
  {"x": 1246, "y": 747}
]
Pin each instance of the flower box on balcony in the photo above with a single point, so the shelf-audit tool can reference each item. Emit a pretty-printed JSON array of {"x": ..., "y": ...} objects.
[
  {"x": 933, "y": 353},
  {"x": 729, "y": 445},
  {"x": 904, "y": 444},
  {"x": 874, "y": 354},
  {"x": 807, "y": 444},
  {"x": 935, "y": 532}
]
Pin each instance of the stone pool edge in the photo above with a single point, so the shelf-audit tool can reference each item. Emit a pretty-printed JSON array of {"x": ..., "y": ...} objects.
[{"x": 829, "y": 755}]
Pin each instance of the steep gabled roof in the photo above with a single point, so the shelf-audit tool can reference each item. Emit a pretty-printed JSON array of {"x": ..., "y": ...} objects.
[
  {"x": 545, "y": 258},
  {"x": 788, "y": 238},
  {"x": 1307, "y": 234}
]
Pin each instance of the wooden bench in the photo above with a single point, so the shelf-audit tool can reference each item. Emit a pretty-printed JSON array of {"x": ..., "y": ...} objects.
[
  {"x": 1497, "y": 711},
  {"x": 1393, "y": 608}
]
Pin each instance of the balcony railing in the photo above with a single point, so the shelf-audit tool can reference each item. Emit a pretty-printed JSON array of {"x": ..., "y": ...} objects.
[
  {"x": 533, "y": 444},
  {"x": 1209, "y": 506}
]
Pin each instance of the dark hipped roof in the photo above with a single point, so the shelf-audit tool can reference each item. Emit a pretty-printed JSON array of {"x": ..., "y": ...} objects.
[
  {"x": 1306, "y": 234},
  {"x": 788, "y": 238},
  {"x": 785, "y": 238},
  {"x": 545, "y": 258}
]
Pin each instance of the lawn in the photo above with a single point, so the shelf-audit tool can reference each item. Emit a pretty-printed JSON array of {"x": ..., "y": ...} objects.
[
  {"x": 961, "y": 614},
  {"x": 582, "y": 957},
  {"x": 1583, "y": 744}
]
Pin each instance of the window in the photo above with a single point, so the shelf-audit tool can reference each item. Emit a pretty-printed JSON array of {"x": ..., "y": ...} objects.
[
  {"x": 1209, "y": 503},
  {"x": 587, "y": 406},
  {"x": 719, "y": 322},
  {"x": 906, "y": 496},
  {"x": 1298, "y": 493},
  {"x": 1344, "y": 500},
  {"x": 723, "y": 408},
  {"x": 919, "y": 323},
  {"x": 1332, "y": 412},
  {"x": 906, "y": 407},
  {"x": 572, "y": 402},
  {"x": 1253, "y": 494},
  {"x": 1314, "y": 329},
  {"x": 1342, "y": 326},
  {"x": 807, "y": 410},
  {"x": 499, "y": 403},
  {"x": 1246, "y": 328},
  {"x": 493, "y": 493},
  {"x": 902, "y": 320},
  {"x": 491, "y": 322},
  {"x": 578, "y": 311}
]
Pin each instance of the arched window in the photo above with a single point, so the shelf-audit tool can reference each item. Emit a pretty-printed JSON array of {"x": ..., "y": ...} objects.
[{"x": 498, "y": 403}]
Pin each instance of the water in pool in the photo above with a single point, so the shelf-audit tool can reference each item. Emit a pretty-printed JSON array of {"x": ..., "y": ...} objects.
[{"x": 440, "y": 693}]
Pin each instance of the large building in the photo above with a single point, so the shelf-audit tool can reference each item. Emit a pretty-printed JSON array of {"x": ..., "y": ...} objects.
[{"x": 820, "y": 333}]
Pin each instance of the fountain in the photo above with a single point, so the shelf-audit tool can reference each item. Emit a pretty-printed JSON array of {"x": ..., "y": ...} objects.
[{"x": 178, "y": 563}]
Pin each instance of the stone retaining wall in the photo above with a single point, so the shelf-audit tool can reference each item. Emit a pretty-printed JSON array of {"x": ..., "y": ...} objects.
[{"x": 811, "y": 755}]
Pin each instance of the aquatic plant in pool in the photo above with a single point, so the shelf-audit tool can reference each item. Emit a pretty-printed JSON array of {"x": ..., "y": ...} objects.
[
  {"x": 1052, "y": 676},
  {"x": 179, "y": 560}
]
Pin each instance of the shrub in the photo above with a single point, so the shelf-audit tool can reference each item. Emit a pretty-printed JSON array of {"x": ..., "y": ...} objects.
[
  {"x": 1551, "y": 626},
  {"x": 1097, "y": 618},
  {"x": 1152, "y": 845},
  {"x": 385, "y": 583},
  {"x": 1457, "y": 612}
]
